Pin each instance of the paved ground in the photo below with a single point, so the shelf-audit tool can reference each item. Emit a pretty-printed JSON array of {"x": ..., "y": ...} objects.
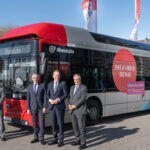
[{"x": 127, "y": 132}]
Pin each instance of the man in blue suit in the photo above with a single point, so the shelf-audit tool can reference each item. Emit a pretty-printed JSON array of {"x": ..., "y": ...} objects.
[
  {"x": 56, "y": 94},
  {"x": 35, "y": 102}
]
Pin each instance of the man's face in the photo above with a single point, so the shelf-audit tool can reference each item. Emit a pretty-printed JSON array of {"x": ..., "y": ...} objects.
[
  {"x": 35, "y": 78},
  {"x": 56, "y": 76},
  {"x": 76, "y": 80}
]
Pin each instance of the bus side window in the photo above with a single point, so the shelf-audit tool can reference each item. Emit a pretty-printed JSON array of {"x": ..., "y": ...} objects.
[{"x": 98, "y": 76}]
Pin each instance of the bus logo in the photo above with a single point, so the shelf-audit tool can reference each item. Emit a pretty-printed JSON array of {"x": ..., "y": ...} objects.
[{"x": 52, "y": 49}]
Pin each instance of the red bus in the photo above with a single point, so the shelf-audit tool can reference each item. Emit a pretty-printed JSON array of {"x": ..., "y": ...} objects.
[{"x": 116, "y": 71}]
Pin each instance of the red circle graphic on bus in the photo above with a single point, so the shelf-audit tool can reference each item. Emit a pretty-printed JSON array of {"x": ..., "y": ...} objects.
[{"x": 124, "y": 69}]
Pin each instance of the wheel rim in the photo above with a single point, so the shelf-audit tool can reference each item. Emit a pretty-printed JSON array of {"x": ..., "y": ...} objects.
[{"x": 93, "y": 113}]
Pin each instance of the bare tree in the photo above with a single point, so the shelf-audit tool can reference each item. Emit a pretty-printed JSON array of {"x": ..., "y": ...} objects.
[{"x": 4, "y": 29}]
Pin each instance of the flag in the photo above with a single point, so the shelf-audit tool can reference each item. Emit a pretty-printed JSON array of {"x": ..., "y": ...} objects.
[
  {"x": 89, "y": 8},
  {"x": 133, "y": 35}
]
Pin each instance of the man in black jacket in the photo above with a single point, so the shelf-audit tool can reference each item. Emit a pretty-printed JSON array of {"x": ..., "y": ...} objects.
[{"x": 56, "y": 94}]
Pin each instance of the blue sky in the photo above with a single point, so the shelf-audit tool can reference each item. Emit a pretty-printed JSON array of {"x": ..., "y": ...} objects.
[{"x": 115, "y": 17}]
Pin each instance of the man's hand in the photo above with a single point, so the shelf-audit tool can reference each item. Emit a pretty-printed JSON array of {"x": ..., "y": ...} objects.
[
  {"x": 28, "y": 111},
  {"x": 44, "y": 110},
  {"x": 57, "y": 100},
  {"x": 54, "y": 101},
  {"x": 51, "y": 101},
  {"x": 72, "y": 107},
  {"x": 69, "y": 106}
]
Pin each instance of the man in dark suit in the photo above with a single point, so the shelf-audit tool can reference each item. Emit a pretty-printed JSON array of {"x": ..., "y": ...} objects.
[
  {"x": 56, "y": 94},
  {"x": 35, "y": 102},
  {"x": 78, "y": 110}
]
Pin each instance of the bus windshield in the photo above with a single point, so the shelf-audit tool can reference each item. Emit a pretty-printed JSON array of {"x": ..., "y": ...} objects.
[{"x": 17, "y": 64}]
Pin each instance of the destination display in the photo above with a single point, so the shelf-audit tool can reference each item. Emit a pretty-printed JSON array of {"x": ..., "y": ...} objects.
[{"x": 16, "y": 49}]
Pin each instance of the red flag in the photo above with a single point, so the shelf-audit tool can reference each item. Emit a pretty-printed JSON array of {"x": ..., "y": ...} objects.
[
  {"x": 85, "y": 4},
  {"x": 133, "y": 35},
  {"x": 90, "y": 14},
  {"x": 137, "y": 10}
]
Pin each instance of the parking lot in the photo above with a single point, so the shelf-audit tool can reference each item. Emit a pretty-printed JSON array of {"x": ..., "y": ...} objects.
[{"x": 124, "y": 132}]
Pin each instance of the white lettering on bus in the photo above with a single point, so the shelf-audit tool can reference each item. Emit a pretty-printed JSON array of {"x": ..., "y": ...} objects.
[
  {"x": 124, "y": 68},
  {"x": 65, "y": 51},
  {"x": 125, "y": 74}
]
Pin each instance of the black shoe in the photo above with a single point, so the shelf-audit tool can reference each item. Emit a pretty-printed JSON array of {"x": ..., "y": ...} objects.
[
  {"x": 60, "y": 144},
  {"x": 53, "y": 142},
  {"x": 3, "y": 139},
  {"x": 42, "y": 142},
  {"x": 74, "y": 143},
  {"x": 34, "y": 141},
  {"x": 82, "y": 146}
]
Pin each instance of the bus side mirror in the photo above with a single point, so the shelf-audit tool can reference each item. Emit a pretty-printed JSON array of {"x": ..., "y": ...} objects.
[{"x": 42, "y": 63}]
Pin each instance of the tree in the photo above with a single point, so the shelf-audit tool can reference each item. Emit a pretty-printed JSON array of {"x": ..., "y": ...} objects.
[{"x": 4, "y": 29}]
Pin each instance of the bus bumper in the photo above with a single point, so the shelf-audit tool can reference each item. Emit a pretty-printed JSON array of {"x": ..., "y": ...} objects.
[{"x": 16, "y": 121}]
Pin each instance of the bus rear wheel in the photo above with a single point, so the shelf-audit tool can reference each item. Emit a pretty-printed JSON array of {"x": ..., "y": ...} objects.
[{"x": 93, "y": 115}]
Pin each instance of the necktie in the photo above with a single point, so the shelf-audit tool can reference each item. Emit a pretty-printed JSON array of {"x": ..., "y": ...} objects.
[
  {"x": 75, "y": 89},
  {"x": 55, "y": 86},
  {"x": 34, "y": 88}
]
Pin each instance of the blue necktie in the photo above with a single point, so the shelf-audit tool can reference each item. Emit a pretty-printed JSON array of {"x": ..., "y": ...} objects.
[
  {"x": 55, "y": 86},
  {"x": 34, "y": 88}
]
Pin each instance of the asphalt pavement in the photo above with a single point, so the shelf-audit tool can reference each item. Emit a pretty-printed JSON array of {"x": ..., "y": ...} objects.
[{"x": 123, "y": 132}]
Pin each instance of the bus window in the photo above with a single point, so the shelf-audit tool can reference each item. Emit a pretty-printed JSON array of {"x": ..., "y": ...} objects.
[
  {"x": 18, "y": 63},
  {"x": 143, "y": 70}
]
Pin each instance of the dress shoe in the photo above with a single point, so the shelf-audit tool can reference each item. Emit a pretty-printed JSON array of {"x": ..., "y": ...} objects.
[
  {"x": 60, "y": 144},
  {"x": 82, "y": 146},
  {"x": 53, "y": 142},
  {"x": 34, "y": 141},
  {"x": 74, "y": 143},
  {"x": 3, "y": 139},
  {"x": 42, "y": 142}
]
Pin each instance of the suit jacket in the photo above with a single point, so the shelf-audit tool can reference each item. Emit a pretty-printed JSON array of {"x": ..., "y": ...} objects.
[
  {"x": 78, "y": 99},
  {"x": 61, "y": 93},
  {"x": 35, "y": 101}
]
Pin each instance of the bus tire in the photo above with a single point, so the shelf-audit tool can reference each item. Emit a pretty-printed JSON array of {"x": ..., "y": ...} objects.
[{"x": 93, "y": 112}]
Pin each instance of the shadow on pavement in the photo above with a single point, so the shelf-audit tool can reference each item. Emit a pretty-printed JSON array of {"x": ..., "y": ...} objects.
[
  {"x": 20, "y": 132},
  {"x": 97, "y": 134},
  {"x": 103, "y": 135},
  {"x": 67, "y": 128}
]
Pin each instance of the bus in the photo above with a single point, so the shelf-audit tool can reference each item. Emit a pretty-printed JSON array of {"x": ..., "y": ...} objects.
[{"x": 116, "y": 71}]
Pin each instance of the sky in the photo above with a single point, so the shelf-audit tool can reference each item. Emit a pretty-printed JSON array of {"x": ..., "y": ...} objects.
[{"x": 115, "y": 17}]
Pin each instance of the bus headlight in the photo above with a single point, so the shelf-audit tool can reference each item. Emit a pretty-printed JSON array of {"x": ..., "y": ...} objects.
[
  {"x": 26, "y": 123},
  {"x": 15, "y": 95}
]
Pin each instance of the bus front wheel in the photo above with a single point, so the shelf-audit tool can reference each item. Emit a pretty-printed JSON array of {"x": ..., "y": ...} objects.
[{"x": 93, "y": 110}]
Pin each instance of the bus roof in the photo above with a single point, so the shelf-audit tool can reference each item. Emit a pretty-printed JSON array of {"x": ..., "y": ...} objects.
[
  {"x": 46, "y": 31},
  {"x": 58, "y": 34}
]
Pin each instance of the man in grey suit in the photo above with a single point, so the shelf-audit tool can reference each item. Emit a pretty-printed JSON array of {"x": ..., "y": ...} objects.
[
  {"x": 2, "y": 125},
  {"x": 56, "y": 94},
  {"x": 78, "y": 110},
  {"x": 35, "y": 102}
]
